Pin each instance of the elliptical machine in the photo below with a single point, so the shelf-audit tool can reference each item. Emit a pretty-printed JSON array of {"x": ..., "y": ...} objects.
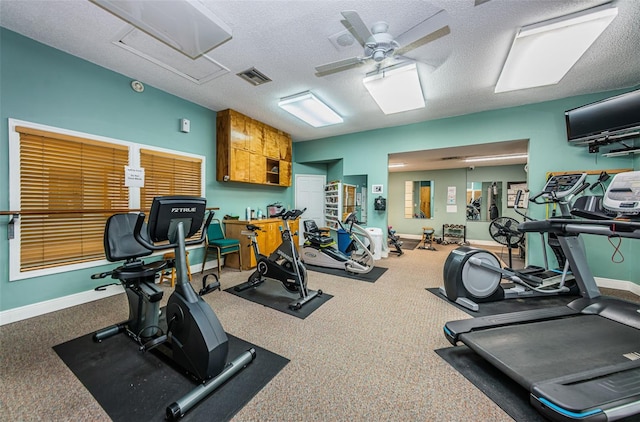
[
  {"x": 283, "y": 264},
  {"x": 189, "y": 333},
  {"x": 473, "y": 275},
  {"x": 358, "y": 258}
]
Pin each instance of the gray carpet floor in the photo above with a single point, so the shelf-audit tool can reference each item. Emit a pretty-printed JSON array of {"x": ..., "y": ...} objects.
[{"x": 365, "y": 355}]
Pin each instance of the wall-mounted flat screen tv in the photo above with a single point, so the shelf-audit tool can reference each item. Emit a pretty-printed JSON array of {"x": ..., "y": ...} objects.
[{"x": 611, "y": 119}]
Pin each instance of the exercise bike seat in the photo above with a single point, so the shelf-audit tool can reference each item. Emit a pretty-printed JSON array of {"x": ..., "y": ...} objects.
[
  {"x": 317, "y": 240},
  {"x": 317, "y": 236},
  {"x": 121, "y": 245}
]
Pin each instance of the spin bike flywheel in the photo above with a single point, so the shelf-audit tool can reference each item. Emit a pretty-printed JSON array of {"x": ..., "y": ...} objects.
[{"x": 292, "y": 286}]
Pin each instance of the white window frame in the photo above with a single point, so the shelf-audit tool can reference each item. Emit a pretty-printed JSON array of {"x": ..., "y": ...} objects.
[{"x": 14, "y": 191}]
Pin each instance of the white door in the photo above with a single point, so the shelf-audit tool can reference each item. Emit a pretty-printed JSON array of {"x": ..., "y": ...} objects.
[{"x": 310, "y": 195}]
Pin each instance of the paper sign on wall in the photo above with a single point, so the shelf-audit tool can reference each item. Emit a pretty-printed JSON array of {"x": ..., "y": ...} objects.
[
  {"x": 451, "y": 195},
  {"x": 133, "y": 177}
]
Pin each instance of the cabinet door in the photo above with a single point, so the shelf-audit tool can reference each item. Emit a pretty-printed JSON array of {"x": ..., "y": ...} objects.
[
  {"x": 256, "y": 137},
  {"x": 257, "y": 171},
  {"x": 239, "y": 132},
  {"x": 271, "y": 143},
  {"x": 240, "y": 165},
  {"x": 285, "y": 173},
  {"x": 284, "y": 142}
]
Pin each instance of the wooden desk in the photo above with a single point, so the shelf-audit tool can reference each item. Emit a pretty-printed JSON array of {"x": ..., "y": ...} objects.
[{"x": 268, "y": 240}]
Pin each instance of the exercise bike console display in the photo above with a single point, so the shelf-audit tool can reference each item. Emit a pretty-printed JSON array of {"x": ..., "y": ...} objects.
[{"x": 560, "y": 186}]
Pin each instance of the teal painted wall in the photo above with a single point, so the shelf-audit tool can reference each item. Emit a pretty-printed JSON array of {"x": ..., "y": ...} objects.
[
  {"x": 46, "y": 86},
  {"x": 477, "y": 230},
  {"x": 542, "y": 123}
]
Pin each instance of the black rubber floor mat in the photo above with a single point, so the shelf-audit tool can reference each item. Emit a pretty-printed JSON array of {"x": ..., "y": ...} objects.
[
  {"x": 371, "y": 277},
  {"x": 506, "y": 393},
  {"x": 272, "y": 294},
  {"x": 135, "y": 386},
  {"x": 510, "y": 305}
]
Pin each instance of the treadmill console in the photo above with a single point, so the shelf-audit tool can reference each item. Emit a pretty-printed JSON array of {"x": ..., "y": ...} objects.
[
  {"x": 562, "y": 185},
  {"x": 623, "y": 194}
]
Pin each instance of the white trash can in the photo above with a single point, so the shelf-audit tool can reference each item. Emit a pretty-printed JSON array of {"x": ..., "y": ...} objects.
[{"x": 376, "y": 236}]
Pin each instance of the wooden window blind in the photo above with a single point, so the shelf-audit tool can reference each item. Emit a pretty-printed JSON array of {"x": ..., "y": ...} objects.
[
  {"x": 76, "y": 181},
  {"x": 168, "y": 174}
]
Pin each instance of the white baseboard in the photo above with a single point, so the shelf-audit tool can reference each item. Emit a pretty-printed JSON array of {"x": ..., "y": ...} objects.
[
  {"x": 36, "y": 309},
  {"x": 618, "y": 284},
  {"x": 41, "y": 308},
  {"x": 47, "y": 306}
]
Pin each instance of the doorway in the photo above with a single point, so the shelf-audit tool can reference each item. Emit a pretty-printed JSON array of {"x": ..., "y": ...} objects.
[{"x": 309, "y": 194}]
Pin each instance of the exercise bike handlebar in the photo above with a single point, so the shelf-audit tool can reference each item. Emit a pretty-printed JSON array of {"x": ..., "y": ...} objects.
[
  {"x": 289, "y": 215},
  {"x": 137, "y": 233}
]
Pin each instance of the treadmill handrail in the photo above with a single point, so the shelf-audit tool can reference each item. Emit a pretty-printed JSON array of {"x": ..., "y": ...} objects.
[{"x": 628, "y": 229}]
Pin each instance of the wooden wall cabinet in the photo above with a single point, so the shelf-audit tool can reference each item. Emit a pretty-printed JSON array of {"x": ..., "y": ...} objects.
[
  {"x": 249, "y": 151},
  {"x": 268, "y": 240}
]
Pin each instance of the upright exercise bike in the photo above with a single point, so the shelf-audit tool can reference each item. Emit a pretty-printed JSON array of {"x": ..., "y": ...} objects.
[
  {"x": 283, "y": 264},
  {"x": 189, "y": 333}
]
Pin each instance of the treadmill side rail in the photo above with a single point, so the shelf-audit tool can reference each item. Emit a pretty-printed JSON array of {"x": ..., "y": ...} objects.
[{"x": 605, "y": 394}]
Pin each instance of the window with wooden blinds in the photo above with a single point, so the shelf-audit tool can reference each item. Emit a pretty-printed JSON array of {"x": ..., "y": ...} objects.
[
  {"x": 169, "y": 174},
  {"x": 63, "y": 174}
]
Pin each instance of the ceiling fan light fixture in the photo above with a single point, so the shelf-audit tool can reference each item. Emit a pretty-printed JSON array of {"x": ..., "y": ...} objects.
[
  {"x": 396, "y": 89},
  {"x": 310, "y": 109},
  {"x": 543, "y": 53},
  {"x": 188, "y": 26}
]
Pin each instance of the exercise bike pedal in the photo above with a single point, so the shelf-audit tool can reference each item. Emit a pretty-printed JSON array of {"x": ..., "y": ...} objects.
[
  {"x": 208, "y": 288},
  {"x": 152, "y": 344}
]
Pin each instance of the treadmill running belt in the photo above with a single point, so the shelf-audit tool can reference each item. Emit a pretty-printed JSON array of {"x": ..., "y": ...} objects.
[{"x": 539, "y": 351}]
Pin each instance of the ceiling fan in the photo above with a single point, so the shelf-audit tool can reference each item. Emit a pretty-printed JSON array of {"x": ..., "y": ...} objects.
[{"x": 379, "y": 44}]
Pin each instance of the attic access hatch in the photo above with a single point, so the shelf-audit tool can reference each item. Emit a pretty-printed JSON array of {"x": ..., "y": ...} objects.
[
  {"x": 199, "y": 71},
  {"x": 187, "y": 26}
]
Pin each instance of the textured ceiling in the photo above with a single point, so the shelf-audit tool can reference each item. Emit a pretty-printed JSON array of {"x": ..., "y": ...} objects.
[{"x": 286, "y": 40}]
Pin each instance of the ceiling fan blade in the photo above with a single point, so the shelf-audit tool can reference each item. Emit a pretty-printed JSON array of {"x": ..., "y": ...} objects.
[
  {"x": 357, "y": 26},
  {"x": 338, "y": 66},
  {"x": 425, "y": 32}
]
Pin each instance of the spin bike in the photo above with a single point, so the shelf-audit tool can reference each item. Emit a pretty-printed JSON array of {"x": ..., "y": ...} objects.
[
  {"x": 473, "y": 275},
  {"x": 283, "y": 264},
  {"x": 188, "y": 332}
]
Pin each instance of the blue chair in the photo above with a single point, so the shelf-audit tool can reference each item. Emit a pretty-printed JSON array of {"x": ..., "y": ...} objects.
[{"x": 223, "y": 246}]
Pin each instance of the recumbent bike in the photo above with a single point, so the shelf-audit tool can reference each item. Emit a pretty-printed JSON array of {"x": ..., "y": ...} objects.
[{"x": 188, "y": 331}]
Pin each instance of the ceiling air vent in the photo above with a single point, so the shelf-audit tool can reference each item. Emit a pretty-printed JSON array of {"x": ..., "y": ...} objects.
[{"x": 254, "y": 76}]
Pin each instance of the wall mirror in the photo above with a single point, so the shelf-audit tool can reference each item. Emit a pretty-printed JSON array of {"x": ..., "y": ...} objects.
[
  {"x": 418, "y": 199},
  {"x": 355, "y": 196},
  {"x": 484, "y": 200}
]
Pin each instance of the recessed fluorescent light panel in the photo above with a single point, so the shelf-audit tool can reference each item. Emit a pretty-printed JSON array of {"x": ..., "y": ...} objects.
[
  {"x": 543, "y": 53},
  {"x": 394, "y": 165},
  {"x": 396, "y": 89},
  {"x": 188, "y": 26},
  {"x": 496, "y": 157},
  {"x": 308, "y": 108}
]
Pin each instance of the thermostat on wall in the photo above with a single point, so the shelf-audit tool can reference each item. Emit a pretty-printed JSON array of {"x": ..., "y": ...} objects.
[{"x": 185, "y": 125}]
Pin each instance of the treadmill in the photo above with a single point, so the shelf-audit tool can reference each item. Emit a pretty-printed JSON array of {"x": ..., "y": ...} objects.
[{"x": 580, "y": 361}]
